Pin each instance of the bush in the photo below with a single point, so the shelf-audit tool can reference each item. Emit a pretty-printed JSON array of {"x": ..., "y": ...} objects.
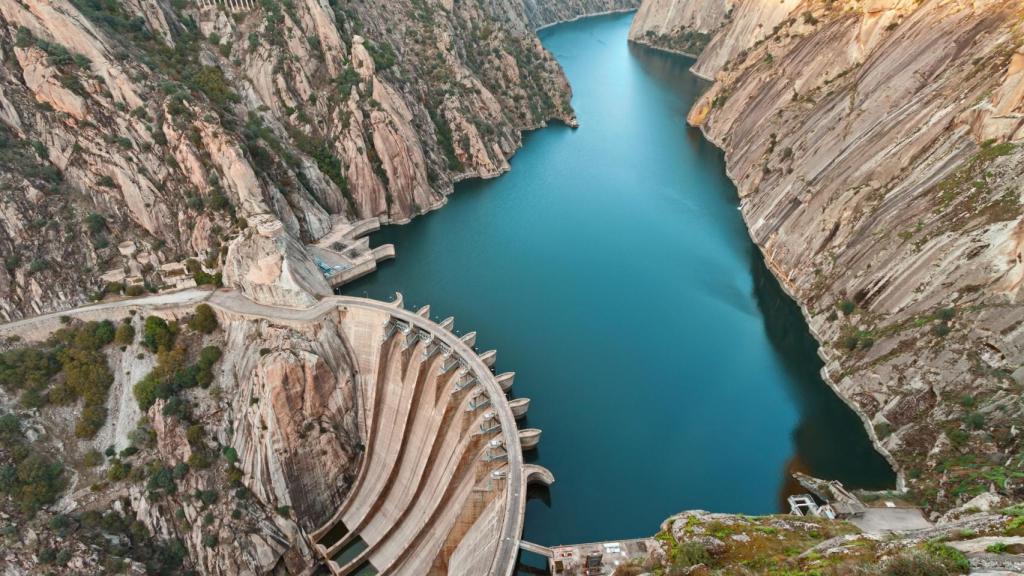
[
  {"x": 207, "y": 497},
  {"x": 205, "y": 320},
  {"x": 95, "y": 223},
  {"x": 146, "y": 391},
  {"x": 91, "y": 420},
  {"x": 27, "y": 368},
  {"x": 975, "y": 421},
  {"x": 125, "y": 334},
  {"x": 847, "y": 307},
  {"x": 36, "y": 481},
  {"x": 118, "y": 470},
  {"x": 686, "y": 554},
  {"x": 92, "y": 458},
  {"x": 157, "y": 334},
  {"x": 180, "y": 470},
  {"x": 161, "y": 480},
  {"x": 953, "y": 559},
  {"x": 914, "y": 564}
]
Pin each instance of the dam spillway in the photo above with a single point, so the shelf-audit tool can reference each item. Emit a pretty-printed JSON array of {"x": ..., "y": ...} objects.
[
  {"x": 442, "y": 484},
  {"x": 613, "y": 272}
]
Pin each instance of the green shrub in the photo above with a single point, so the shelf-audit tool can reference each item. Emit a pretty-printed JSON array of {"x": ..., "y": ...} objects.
[
  {"x": 975, "y": 421},
  {"x": 118, "y": 470},
  {"x": 34, "y": 482},
  {"x": 180, "y": 470},
  {"x": 950, "y": 557},
  {"x": 204, "y": 320},
  {"x": 92, "y": 458},
  {"x": 207, "y": 497},
  {"x": 91, "y": 420},
  {"x": 27, "y": 368},
  {"x": 914, "y": 564},
  {"x": 95, "y": 223},
  {"x": 161, "y": 481},
  {"x": 157, "y": 334},
  {"x": 686, "y": 554},
  {"x": 847, "y": 307},
  {"x": 125, "y": 334},
  {"x": 997, "y": 548},
  {"x": 147, "y": 391}
]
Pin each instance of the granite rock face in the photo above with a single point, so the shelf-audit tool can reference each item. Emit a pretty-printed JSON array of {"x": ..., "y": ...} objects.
[
  {"x": 270, "y": 267},
  {"x": 169, "y": 124},
  {"x": 684, "y": 27},
  {"x": 874, "y": 148},
  {"x": 294, "y": 415}
]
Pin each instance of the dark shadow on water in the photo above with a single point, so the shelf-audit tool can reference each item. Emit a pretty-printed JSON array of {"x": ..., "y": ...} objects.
[
  {"x": 539, "y": 492},
  {"x": 823, "y": 415}
]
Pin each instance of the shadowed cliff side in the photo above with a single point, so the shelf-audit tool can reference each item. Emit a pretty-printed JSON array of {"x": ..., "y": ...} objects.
[{"x": 874, "y": 148}]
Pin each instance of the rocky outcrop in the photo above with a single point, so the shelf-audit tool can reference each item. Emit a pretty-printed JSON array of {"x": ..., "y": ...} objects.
[
  {"x": 294, "y": 416},
  {"x": 684, "y": 27},
  {"x": 170, "y": 124},
  {"x": 271, "y": 267},
  {"x": 873, "y": 146}
]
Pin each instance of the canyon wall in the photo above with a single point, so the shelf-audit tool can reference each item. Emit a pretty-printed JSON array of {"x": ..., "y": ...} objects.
[
  {"x": 874, "y": 147},
  {"x": 684, "y": 27},
  {"x": 135, "y": 135}
]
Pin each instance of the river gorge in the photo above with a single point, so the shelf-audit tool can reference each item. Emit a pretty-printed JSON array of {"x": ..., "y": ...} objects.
[{"x": 613, "y": 273}]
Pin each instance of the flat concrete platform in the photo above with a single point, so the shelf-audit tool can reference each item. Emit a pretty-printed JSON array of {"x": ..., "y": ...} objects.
[
  {"x": 572, "y": 559},
  {"x": 344, "y": 254},
  {"x": 885, "y": 520}
]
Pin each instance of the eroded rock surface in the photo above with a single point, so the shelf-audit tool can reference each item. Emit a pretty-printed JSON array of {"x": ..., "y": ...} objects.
[
  {"x": 170, "y": 124},
  {"x": 874, "y": 148}
]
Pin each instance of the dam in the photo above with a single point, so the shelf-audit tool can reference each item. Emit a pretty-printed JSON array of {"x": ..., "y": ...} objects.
[{"x": 614, "y": 273}]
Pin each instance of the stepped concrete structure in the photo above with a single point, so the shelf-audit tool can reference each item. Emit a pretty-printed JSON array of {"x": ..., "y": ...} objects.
[{"x": 442, "y": 486}]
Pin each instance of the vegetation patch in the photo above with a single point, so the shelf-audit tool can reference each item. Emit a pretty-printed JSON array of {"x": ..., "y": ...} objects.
[{"x": 70, "y": 366}]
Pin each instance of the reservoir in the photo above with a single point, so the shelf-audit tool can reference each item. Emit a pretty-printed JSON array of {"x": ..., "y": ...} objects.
[{"x": 612, "y": 271}]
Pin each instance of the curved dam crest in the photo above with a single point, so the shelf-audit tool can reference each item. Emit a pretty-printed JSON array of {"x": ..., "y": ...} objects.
[{"x": 611, "y": 270}]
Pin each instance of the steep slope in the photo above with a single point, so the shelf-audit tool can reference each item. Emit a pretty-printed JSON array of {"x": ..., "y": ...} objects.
[
  {"x": 874, "y": 149},
  {"x": 684, "y": 27},
  {"x": 137, "y": 134}
]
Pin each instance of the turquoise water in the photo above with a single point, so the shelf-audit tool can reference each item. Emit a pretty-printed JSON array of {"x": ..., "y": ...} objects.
[{"x": 613, "y": 273}]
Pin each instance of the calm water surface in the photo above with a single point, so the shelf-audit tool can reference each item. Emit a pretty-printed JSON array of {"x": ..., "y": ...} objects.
[{"x": 612, "y": 272}]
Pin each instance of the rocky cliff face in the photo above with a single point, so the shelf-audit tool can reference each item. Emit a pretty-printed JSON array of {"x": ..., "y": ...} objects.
[
  {"x": 874, "y": 149},
  {"x": 684, "y": 27},
  {"x": 224, "y": 473},
  {"x": 133, "y": 134}
]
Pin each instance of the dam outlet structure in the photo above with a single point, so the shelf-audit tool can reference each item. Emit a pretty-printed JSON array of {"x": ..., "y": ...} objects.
[{"x": 442, "y": 485}]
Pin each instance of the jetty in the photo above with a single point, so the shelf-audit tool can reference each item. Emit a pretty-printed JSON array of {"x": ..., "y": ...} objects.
[{"x": 344, "y": 254}]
